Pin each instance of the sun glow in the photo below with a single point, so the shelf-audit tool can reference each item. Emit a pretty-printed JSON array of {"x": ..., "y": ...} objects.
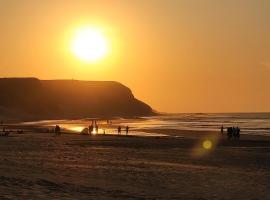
[
  {"x": 89, "y": 44},
  {"x": 77, "y": 129},
  {"x": 207, "y": 144}
]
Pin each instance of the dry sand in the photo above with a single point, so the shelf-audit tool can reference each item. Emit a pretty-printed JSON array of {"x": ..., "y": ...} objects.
[{"x": 42, "y": 166}]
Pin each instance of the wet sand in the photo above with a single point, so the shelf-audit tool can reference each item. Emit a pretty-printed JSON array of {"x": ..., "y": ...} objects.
[{"x": 41, "y": 166}]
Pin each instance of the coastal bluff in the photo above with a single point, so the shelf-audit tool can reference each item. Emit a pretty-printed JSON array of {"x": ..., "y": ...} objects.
[{"x": 34, "y": 99}]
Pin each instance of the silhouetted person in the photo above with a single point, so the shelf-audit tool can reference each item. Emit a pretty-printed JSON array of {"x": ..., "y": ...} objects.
[
  {"x": 91, "y": 128},
  {"x": 229, "y": 133},
  {"x": 119, "y": 130},
  {"x": 221, "y": 129},
  {"x": 57, "y": 130},
  {"x": 127, "y": 129},
  {"x": 238, "y": 133},
  {"x": 234, "y": 132}
]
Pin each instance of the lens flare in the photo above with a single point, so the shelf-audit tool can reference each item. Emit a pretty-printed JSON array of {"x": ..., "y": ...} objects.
[{"x": 207, "y": 144}]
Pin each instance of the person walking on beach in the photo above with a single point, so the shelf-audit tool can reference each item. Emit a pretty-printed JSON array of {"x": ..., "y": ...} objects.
[
  {"x": 119, "y": 130},
  {"x": 127, "y": 129}
]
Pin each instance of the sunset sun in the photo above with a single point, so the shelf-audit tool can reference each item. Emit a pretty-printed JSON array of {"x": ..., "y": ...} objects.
[{"x": 89, "y": 45}]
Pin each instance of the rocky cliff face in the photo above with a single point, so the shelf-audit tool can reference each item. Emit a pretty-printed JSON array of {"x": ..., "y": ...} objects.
[{"x": 30, "y": 98}]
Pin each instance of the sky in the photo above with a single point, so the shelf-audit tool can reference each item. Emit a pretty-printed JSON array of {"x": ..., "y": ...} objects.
[{"x": 176, "y": 55}]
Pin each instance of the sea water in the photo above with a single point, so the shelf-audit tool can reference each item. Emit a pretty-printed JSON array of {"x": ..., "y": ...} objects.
[{"x": 250, "y": 123}]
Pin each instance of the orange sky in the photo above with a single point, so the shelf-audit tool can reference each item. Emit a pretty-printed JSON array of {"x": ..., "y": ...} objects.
[{"x": 176, "y": 55}]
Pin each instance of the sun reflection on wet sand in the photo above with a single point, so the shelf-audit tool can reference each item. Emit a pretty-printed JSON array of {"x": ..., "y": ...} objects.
[
  {"x": 75, "y": 128},
  {"x": 95, "y": 131},
  {"x": 105, "y": 128}
]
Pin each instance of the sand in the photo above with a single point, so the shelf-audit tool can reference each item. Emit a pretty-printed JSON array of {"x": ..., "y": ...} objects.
[{"x": 37, "y": 165}]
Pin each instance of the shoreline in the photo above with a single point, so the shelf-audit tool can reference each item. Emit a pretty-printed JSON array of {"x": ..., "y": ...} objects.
[
  {"x": 252, "y": 126},
  {"x": 153, "y": 132}
]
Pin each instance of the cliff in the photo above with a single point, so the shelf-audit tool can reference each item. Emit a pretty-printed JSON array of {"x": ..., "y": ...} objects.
[{"x": 31, "y": 98}]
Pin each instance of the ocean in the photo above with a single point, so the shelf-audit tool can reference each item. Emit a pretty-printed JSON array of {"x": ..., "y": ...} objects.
[{"x": 250, "y": 123}]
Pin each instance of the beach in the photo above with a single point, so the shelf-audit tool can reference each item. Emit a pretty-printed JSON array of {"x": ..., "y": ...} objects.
[
  {"x": 135, "y": 100},
  {"x": 36, "y": 165}
]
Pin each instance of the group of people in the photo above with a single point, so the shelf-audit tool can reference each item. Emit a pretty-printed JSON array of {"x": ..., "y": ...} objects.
[
  {"x": 4, "y": 131},
  {"x": 232, "y": 132},
  {"x": 93, "y": 128},
  {"x": 119, "y": 130}
]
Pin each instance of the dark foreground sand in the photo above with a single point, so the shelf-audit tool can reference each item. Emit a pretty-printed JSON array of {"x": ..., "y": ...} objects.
[{"x": 40, "y": 166}]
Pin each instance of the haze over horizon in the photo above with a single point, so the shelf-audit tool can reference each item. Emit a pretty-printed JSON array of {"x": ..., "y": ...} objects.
[{"x": 176, "y": 55}]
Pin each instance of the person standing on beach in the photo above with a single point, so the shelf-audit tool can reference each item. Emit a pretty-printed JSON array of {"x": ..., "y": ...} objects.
[
  {"x": 57, "y": 130},
  {"x": 238, "y": 133},
  {"x": 91, "y": 127},
  {"x": 221, "y": 130},
  {"x": 229, "y": 133},
  {"x": 127, "y": 129},
  {"x": 96, "y": 129},
  {"x": 235, "y": 133},
  {"x": 119, "y": 130}
]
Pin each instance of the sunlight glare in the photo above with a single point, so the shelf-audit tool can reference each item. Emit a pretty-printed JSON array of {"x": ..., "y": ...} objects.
[
  {"x": 77, "y": 129},
  {"x": 89, "y": 44}
]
